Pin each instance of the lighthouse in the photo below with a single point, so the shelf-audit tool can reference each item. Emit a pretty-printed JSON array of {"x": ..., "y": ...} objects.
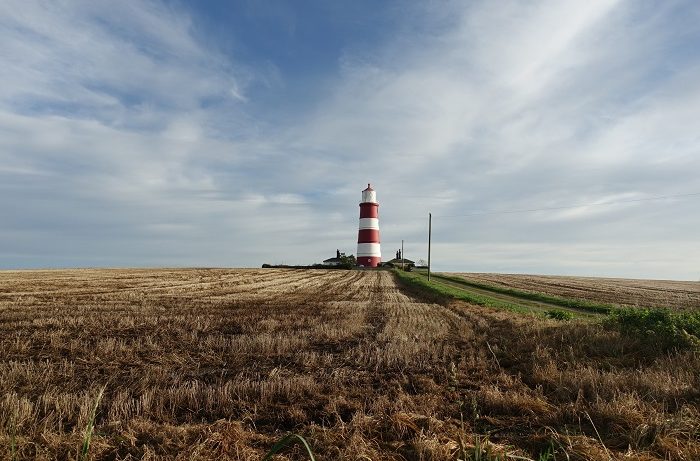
[{"x": 368, "y": 253}]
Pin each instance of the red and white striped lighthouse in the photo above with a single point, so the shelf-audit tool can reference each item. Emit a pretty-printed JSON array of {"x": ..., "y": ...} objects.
[{"x": 368, "y": 253}]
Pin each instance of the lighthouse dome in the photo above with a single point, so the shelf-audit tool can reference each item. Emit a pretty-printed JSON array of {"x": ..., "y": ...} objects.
[{"x": 369, "y": 195}]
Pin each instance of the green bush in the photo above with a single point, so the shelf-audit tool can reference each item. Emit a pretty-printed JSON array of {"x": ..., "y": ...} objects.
[
  {"x": 558, "y": 314},
  {"x": 660, "y": 327}
]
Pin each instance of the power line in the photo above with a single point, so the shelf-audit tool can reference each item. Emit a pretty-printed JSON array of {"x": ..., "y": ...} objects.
[{"x": 566, "y": 207}]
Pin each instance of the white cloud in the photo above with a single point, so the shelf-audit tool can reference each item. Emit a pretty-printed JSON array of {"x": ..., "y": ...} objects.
[
  {"x": 633, "y": 260},
  {"x": 118, "y": 63},
  {"x": 107, "y": 107},
  {"x": 525, "y": 106}
]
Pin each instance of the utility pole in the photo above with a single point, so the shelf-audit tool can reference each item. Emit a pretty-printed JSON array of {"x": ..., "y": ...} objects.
[
  {"x": 430, "y": 233},
  {"x": 402, "y": 268}
]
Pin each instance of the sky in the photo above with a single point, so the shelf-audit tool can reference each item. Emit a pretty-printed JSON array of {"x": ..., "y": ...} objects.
[{"x": 235, "y": 133}]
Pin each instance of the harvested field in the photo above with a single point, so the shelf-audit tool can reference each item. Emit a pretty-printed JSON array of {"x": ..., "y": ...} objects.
[
  {"x": 219, "y": 364},
  {"x": 630, "y": 292}
]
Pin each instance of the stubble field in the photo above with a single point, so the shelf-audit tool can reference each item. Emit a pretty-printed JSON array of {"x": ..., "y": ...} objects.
[
  {"x": 680, "y": 295},
  {"x": 219, "y": 364}
]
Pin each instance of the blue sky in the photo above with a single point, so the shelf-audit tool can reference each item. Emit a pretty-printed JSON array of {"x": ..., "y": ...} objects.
[{"x": 170, "y": 133}]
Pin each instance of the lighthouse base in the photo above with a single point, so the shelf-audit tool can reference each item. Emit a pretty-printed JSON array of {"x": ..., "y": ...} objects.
[{"x": 368, "y": 261}]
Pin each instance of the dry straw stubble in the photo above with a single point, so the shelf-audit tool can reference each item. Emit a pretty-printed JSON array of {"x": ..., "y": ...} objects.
[{"x": 220, "y": 363}]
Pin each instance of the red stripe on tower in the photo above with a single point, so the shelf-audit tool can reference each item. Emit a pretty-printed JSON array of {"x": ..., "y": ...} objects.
[
  {"x": 368, "y": 251},
  {"x": 369, "y": 211}
]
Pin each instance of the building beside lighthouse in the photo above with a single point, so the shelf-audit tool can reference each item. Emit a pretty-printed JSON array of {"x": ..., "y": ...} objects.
[{"x": 368, "y": 251}]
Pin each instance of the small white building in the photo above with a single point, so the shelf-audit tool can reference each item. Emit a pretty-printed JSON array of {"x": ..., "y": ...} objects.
[
  {"x": 337, "y": 261},
  {"x": 332, "y": 262}
]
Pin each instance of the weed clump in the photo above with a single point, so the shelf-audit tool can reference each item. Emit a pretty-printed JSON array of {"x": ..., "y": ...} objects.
[
  {"x": 658, "y": 327},
  {"x": 558, "y": 314}
]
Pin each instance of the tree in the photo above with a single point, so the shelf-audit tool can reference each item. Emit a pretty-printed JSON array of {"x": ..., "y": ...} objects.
[{"x": 348, "y": 261}]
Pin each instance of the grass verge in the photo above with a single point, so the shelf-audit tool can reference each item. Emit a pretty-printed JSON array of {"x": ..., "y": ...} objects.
[
  {"x": 440, "y": 292},
  {"x": 600, "y": 308},
  {"x": 656, "y": 327}
]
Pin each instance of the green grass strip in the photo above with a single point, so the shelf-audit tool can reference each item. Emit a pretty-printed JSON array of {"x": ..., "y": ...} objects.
[
  {"x": 601, "y": 308},
  {"x": 288, "y": 440},
  {"x": 419, "y": 281}
]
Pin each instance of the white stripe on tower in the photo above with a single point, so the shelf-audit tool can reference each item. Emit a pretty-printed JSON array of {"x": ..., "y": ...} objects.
[
  {"x": 368, "y": 249},
  {"x": 369, "y": 223}
]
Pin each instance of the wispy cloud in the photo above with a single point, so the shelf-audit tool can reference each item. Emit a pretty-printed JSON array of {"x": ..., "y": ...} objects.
[
  {"x": 106, "y": 60},
  {"x": 127, "y": 139}
]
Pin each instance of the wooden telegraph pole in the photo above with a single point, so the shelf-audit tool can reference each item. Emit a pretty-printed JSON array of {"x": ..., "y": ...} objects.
[{"x": 430, "y": 232}]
